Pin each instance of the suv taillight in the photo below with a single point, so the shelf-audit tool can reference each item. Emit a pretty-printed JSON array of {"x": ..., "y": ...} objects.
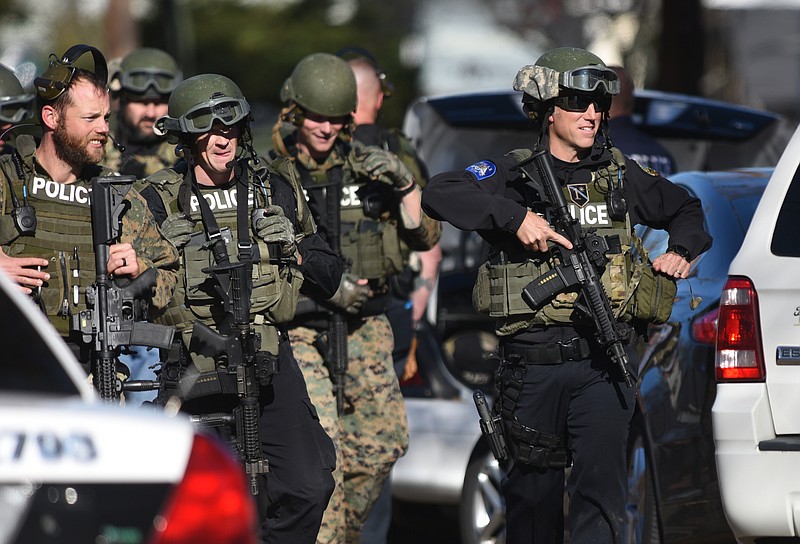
[
  {"x": 739, "y": 354},
  {"x": 704, "y": 328},
  {"x": 212, "y": 503}
]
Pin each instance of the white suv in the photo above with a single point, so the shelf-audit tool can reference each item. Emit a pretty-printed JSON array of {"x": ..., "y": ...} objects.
[{"x": 756, "y": 414}]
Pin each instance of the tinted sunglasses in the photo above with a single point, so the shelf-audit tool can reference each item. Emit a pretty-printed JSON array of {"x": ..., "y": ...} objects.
[{"x": 581, "y": 102}]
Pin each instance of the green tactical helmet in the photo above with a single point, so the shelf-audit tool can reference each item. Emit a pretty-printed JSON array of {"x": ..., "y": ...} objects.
[
  {"x": 147, "y": 73},
  {"x": 566, "y": 69},
  {"x": 323, "y": 84},
  {"x": 200, "y": 100},
  {"x": 15, "y": 104}
]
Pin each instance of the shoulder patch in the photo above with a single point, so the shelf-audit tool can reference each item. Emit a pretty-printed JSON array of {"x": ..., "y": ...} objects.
[
  {"x": 647, "y": 169},
  {"x": 482, "y": 169}
]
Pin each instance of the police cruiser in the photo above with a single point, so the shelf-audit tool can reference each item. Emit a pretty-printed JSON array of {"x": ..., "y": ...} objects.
[{"x": 74, "y": 469}]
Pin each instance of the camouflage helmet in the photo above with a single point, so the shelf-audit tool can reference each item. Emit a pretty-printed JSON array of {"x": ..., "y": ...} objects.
[
  {"x": 15, "y": 104},
  {"x": 323, "y": 84},
  {"x": 566, "y": 69},
  {"x": 147, "y": 73},
  {"x": 200, "y": 100}
]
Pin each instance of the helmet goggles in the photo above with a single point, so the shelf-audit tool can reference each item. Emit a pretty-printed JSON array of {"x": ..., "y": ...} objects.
[
  {"x": 589, "y": 78},
  {"x": 15, "y": 109},
  {"x": 140, "y": 79},
  {"x": 200, "y": 118}
]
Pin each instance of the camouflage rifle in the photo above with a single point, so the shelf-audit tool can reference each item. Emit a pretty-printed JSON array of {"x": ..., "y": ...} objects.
[{"x": 115, "y": 307}]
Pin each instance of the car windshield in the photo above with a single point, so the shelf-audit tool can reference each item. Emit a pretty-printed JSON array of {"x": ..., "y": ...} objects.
[{"x": 28, "y": 364}]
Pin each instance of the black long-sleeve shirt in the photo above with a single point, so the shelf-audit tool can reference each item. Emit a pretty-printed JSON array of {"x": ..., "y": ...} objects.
[{"x": 495, "y": 205}]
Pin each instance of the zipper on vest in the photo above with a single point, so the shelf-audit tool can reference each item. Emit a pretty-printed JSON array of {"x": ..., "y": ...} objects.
[{"x": 63, "y": 311}]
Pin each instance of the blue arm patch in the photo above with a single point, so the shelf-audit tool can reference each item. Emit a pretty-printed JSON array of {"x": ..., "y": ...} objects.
[{"x": 482, "y": 169}]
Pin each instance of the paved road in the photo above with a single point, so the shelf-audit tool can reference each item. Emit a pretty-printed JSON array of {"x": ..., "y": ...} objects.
[{"x": 418, "y": 524}]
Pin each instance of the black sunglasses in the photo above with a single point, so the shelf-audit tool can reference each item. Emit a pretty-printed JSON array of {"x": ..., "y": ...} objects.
[{"x": 581, "y": 102}]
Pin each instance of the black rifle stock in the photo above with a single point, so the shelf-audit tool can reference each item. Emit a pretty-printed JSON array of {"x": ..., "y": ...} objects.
[
  {"x": 578, "y": 266},
  {"x": 114, "y": 310},
  {"x": 238, "y": 344}
]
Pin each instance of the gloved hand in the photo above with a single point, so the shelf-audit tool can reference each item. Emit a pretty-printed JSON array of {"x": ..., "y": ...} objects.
[
  {"x": 350, "y": 296},
  {"x": 387, "y": 167},
  {"x": 275, "y": 228},
  {"x": 176, "y": 228}
]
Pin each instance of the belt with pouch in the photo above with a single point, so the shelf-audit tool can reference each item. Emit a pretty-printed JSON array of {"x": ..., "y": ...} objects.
[{"x": 576, "y": 349}]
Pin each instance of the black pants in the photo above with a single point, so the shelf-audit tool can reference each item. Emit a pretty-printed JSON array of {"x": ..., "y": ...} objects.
[
  {"x": 577, "y": 398},
  {"x": 301, "y": 455}
]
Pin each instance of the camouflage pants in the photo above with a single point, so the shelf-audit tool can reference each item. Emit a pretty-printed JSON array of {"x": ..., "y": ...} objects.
[{"x": 371, "y": 435}]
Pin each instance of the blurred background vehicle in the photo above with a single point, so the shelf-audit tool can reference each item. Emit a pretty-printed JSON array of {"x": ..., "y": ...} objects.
[
  {"x": 73, "y": 469},
  {"x": 671, "y": 446},
  {"x": 755, "y": 414}
]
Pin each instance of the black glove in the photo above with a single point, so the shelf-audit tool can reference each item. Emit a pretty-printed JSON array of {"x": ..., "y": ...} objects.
[
  {"x": 350, "y": 296},
  {"x": 275, "y": 228},
  {"x": 387, "y": 167},
  {"x": 177, "y": 229}
]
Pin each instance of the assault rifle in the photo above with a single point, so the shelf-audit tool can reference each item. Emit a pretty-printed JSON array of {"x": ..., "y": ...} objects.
[
  {"x": 335, "y": 352},
  {"x": 236, "y": 350},
  {"x": 115, "y": 307},
  {"x": 577, "y": 267}
]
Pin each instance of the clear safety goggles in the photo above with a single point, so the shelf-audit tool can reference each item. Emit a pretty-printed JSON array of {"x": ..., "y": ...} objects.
[
  {"x": 139, "y": 80},
  {"x": 15, "y": 109},
  {"x": 588, "y": 78},
  {"x": 200, "y": 119},
  {"x": 581, "y": 102}
]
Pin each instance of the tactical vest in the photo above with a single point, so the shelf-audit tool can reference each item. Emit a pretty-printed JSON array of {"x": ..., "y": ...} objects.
[
  {"x": 370, "y": 241},
  {"x": 275, "y": 288},
  {"x": 498, "y": 288},
  {"x": 63, "y": 232}
]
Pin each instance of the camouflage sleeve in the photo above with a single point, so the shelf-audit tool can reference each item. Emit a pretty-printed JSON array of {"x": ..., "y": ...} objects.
[
  {"x": 140, "y": 230},
  {"x": 424, "y": 237}
]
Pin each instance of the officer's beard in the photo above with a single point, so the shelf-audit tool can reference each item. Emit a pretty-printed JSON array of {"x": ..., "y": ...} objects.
[{"x": 73, "y": 151}]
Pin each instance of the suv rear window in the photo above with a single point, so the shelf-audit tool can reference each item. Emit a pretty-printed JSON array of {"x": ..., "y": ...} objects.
[{"x": 785, "y": 241}]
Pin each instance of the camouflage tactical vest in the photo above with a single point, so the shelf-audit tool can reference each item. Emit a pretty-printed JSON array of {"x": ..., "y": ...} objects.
[
  {"x": 498, "y": 289},
  {"x": 370, "y": 244},
  {"x": 63, "y": 232},
  {"x": 275, "y": 288}
]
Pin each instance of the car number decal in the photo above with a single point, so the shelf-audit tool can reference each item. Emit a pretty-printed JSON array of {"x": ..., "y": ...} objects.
[{"x": 16, "y": 446}]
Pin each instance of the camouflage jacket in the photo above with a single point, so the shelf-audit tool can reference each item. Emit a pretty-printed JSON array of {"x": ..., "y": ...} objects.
[{"x": 64, "y": 220}]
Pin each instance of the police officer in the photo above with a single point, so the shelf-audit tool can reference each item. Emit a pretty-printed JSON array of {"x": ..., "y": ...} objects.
[
  {"x": 224, "y": 204},
  {"x": 378, "y": 203},
  {"x": 16, "y": 106},
  {"x": 632, "y": 141},
  {"x": 412, "y": 288},
  {"x": 561, "y": 399},
  {"x": 45, "y": 226},
  {"x": 142, "y": 84}
]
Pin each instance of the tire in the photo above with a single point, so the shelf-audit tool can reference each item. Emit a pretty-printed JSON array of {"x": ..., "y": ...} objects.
[
  {"x": 482, "y": 514},
  {"x": 641, "y": 510}
]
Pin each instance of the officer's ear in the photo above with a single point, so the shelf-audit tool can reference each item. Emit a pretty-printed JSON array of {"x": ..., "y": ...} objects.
[{"x": 50, "y": 117}]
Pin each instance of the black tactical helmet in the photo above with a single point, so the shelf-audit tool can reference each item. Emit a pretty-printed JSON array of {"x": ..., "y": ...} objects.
[
  {"x": 147, "y": 73},
  {"x": 15, "y": 104},
  {"x": 200, "y": 100},
  {"x": 563, "y": 70},
  {"x": 323, "y": 84}
]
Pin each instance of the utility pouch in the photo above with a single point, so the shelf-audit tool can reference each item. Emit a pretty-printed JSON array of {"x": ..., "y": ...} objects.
[{"x": 653, "y": 296}]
